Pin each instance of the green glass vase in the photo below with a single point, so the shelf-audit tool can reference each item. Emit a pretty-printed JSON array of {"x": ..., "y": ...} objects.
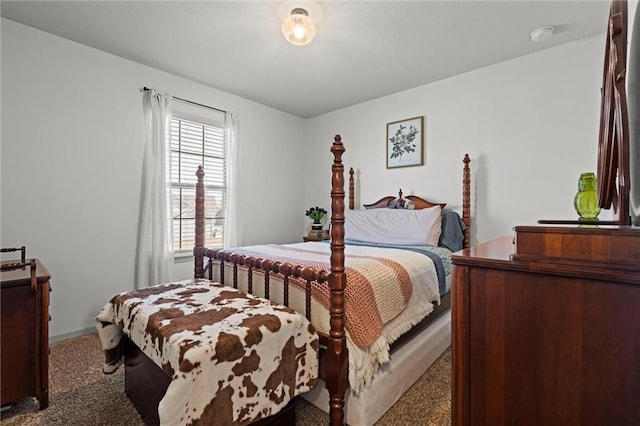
[{"x": 586, "y": 199}]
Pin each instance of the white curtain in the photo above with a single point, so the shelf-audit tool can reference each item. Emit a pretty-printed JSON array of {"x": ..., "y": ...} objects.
[
  {"x": 232, "y": 217},
  {"x": 154, "y": 256}
]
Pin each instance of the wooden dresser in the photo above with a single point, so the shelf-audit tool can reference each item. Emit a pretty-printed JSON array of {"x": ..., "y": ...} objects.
[
  {"x": 546, "y": 328},
  {"x": 24, "y": 357}
]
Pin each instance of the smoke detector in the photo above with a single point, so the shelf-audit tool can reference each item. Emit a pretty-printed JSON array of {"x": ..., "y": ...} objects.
[{"x": 541, "y": 34}]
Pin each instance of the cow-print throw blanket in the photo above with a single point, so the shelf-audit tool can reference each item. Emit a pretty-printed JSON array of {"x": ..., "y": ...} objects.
[{"x": 232, "y": 357}]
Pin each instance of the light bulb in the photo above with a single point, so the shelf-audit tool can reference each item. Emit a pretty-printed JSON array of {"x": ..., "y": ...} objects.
[
  {"x": 299, "y": 32},
  {"x": 298, "y": 28}
]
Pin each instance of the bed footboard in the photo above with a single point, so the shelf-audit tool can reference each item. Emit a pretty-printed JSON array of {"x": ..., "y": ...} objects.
[
  {"x": 222, "y": 263},
  {"x": 334, "y": 356}
]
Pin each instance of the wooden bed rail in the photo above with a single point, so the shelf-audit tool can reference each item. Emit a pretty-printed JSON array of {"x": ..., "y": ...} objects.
[
  {"x": 283, "y": 271},
  {"x": 267, "y": 265}
]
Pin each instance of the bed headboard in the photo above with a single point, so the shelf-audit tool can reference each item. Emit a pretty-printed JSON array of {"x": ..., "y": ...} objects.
[
  {"x": 418, "y": 203},
  {"x": 421, "y": 203}
]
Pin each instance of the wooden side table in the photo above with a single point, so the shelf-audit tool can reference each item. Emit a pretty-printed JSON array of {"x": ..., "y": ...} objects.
[
  {"x": 317, "y": 235},
  {"x": 24, "y": 357},
  {"x": 308, "y": 238}
]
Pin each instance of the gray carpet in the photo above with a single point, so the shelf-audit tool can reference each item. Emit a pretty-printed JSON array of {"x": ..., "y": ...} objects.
[{"x": 80, "y": 394}]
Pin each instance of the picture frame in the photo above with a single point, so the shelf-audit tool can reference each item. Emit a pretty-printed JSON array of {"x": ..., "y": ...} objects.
[{"x": 405, "y": 143}]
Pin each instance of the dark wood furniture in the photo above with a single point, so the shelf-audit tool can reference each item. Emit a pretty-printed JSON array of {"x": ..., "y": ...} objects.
[
  {"x": 142, "y": 380},
  {"x": 309, "y": 238},
  {"x": 24, "y": 335},
  {"x": 317, "y": 235},
  {"x": 546, "y": 327},
  {"x": 545, "y": 331}
]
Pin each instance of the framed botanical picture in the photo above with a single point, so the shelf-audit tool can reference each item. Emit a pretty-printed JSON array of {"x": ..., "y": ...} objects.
[{"x": 405, "y": 143}]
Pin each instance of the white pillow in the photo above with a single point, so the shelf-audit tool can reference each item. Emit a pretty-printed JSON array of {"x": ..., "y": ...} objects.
[{"x": 394, "y": 226}]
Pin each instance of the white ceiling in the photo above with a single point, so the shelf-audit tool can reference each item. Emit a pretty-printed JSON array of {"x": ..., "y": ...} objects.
[{"x": 363, "y": 49}]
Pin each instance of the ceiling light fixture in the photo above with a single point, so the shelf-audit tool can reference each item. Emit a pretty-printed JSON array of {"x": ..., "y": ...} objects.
[
  {"x": 541, "y": 34},
  {"x": 298, "y": 28}
]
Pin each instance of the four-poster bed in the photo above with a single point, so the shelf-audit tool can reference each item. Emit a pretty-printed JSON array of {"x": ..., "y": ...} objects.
[{"x": 321, "y": 293}]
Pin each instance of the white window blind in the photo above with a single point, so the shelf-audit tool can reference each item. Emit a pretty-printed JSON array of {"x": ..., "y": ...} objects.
[{"x": 193, "y": 144}]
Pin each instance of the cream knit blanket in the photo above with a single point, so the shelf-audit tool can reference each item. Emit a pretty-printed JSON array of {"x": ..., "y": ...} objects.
[{"x": 388, "y": 291}]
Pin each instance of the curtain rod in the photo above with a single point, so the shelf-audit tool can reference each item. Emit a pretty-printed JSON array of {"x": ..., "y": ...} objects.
[{"x": 190, "y": 102}]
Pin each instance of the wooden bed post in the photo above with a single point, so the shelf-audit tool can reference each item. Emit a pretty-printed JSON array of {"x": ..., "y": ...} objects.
[
  {"x": 352, "y": 190},
  {"x": 466, "y": 200},
  {"x": 198, "y": 249},
  {"x": 336, "y": 357}
]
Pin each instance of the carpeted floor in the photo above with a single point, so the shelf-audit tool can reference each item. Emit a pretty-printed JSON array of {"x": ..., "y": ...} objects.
[{"x": 80, "y": 394}]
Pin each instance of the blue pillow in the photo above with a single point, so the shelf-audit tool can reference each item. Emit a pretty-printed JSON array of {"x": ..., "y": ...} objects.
[{"x": 452, "y": 235}]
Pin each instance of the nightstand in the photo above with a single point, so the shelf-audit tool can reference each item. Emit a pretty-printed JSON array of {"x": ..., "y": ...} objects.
[
  {"x": 25, "y": 333},
  {"x": 309, "y": 238},
  {"x": 317, "y": 235}
]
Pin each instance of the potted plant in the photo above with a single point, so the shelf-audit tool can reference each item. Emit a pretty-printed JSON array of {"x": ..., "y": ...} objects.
[{"x": 316, "y": 214}]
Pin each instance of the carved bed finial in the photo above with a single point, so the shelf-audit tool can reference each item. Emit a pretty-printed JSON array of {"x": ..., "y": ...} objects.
[{"x": 337, "y": 148}]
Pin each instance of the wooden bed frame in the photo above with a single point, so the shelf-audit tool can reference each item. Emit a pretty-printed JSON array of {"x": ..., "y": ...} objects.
[{"x": 144, "y": 382}]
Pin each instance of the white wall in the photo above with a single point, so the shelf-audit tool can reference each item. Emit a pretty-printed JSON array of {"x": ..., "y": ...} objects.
[
  {"x": 72, "y": 134},
  {"x": 72, "y": 152},
  {"x": 530, "y": 126}
]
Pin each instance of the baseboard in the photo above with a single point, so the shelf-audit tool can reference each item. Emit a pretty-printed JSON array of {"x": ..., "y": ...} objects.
[{"x": 58, "y": 337}]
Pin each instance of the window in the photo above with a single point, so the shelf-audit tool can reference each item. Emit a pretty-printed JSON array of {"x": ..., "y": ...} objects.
[{"x": 193, "y": 144}]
